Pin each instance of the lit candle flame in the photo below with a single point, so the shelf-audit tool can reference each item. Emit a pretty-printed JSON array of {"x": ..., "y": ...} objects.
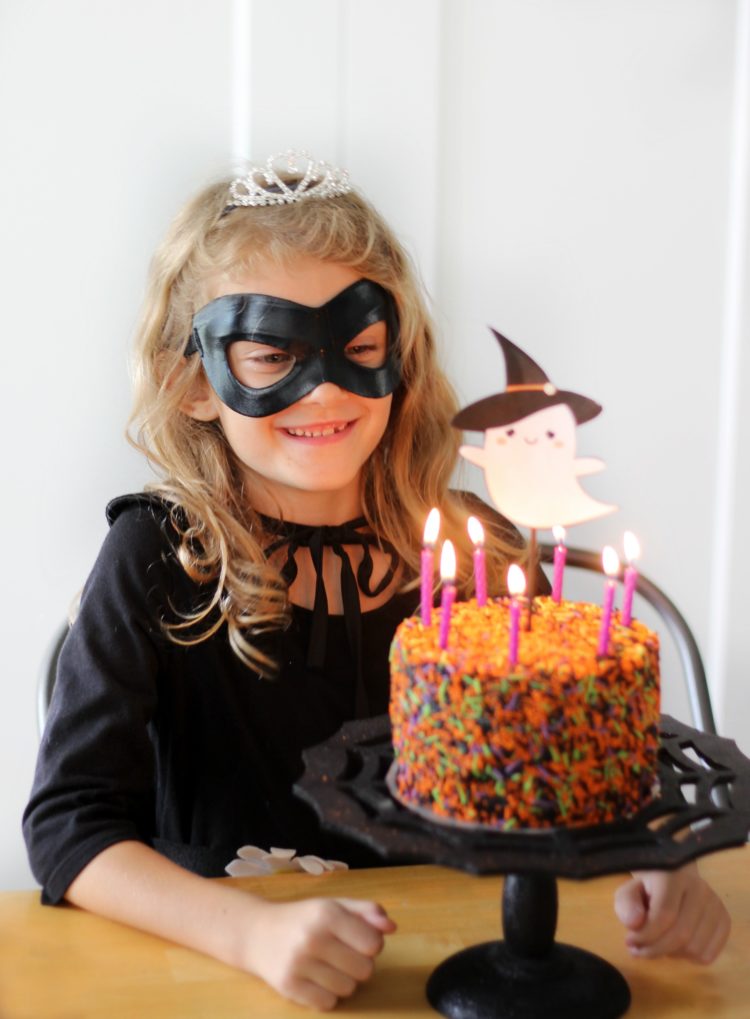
[
  {"x": 432, "y": 527},
  {"x": 610, "y": 561},
  {"x": 476, "y": 531},
  {"x": 632, "y": 547},
  {"x": 558, "y": 533},
  {"x": 448, "y": 562},
  {"x": 516, "y": 580}
]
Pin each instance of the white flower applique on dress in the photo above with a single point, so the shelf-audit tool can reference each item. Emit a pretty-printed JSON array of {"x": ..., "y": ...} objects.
[{"x": 252, "y": 861}]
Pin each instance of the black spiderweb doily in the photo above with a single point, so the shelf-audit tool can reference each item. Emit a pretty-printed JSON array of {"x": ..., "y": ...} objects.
[{"x": 704, "y": 805}]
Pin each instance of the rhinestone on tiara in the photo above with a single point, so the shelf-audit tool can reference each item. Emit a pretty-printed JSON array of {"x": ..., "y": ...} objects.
[{"x": 264, "y": 184}]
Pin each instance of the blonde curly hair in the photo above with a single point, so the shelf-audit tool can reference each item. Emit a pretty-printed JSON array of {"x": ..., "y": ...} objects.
[{"x": 222, "y": 537}]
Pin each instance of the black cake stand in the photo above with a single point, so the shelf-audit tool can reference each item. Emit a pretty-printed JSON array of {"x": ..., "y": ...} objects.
[{"x": 703, "y": 806}]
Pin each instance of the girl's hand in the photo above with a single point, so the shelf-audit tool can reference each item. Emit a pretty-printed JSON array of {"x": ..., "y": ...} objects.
[
  {"x": 672, "y": 913},
  {"x": 315, "y": 951}
]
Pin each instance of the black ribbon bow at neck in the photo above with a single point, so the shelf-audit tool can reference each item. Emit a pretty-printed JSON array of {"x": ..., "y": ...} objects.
[{"x": 317, "y": 538}]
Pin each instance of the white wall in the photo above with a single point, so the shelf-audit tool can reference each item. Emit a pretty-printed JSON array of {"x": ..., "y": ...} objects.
[{"x": 566, "y": 170}]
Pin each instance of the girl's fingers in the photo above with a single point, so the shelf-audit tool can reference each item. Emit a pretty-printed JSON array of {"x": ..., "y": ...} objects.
[
  {"x": 710, "y": 936},
  {"x": 631, "y": 904},
  {"x": 328, "y": 978},
  {"x": 345, "y": 959},
  {"x": 308, "y": 993},
  {"x": 698, "y": 930},
  {"x": 675, "y": 929},
  {"x": 721, "y": 935},
  {"x": 372, "y": 912},
  {"x": 665, "y": 895},
  {"x": 353, "y": 928}
]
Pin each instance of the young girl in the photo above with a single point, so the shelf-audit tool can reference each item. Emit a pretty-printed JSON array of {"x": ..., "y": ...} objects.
[{"x": 241, "y": 610}]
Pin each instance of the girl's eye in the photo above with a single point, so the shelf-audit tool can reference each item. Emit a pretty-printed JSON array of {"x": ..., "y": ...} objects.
[
  {"x": 259, "y": 361},
  {"x": 510, "y": 431},
  {"x": 369, "y": 348},
  {"x": 550, "y": 435},
  {"x": 258, "y": 365}
]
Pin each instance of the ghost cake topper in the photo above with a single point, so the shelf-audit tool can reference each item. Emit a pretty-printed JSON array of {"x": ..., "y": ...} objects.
[{"x": 529, "y": 454}]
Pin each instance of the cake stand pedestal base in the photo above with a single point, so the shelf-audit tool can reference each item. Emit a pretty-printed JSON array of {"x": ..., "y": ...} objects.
[
  {"x": 528, "y": 975},
  {"x": 489, "y": 982}
]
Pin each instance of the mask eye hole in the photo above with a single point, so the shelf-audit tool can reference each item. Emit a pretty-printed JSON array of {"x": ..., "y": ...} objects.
[
  {"x": 259, "y": 365},
  {"x": 369, "y": 348}
]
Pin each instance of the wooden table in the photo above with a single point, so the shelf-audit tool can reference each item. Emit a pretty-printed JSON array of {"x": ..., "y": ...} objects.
[{"x": 66, "y": 964}]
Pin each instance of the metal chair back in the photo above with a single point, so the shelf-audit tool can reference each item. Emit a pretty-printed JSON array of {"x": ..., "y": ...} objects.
[
  {"x": 687, "y": 648},
  {"x": 47, "y": 673}
]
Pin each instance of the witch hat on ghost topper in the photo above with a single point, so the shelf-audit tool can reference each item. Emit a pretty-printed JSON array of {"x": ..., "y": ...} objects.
[{"x": 528, "y": 457}]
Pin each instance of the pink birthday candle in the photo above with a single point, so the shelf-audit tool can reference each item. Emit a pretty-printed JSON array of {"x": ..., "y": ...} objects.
[
  {"x": 447, "y": 576},
  {"x": 632, "y": 552},
  {"x": 559, "y": 563},
  {"x": 611, "y": 564},
  {"x": 431, "y": 530},
  {"x": 476, "y": 533},
  {"x": 516, "y": 584}
]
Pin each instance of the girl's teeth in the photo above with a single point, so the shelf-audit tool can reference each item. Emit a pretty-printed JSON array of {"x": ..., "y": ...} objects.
[{"x": 316, "y": 434}]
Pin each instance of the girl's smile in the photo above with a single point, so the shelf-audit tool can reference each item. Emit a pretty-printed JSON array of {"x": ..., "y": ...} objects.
[{"x": 329, "y": 430}]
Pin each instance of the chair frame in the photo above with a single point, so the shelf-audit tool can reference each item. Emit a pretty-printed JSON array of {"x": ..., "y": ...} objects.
[
  {"x": 687, "y": 648},
  {"x": 47, "y": 673}
]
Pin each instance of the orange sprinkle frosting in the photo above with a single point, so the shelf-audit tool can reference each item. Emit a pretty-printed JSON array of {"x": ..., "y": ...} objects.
[{"x": 564, "y": 738}]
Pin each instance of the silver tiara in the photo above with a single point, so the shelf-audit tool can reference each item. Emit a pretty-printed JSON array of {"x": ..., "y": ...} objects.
[{"x": 264, "y": 184}]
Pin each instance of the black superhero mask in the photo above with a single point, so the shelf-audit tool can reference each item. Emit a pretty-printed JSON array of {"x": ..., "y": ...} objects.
[{"x": 310, "y": 342}]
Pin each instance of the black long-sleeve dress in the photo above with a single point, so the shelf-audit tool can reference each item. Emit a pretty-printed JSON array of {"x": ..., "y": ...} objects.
[{"x": 185, "y": 749}]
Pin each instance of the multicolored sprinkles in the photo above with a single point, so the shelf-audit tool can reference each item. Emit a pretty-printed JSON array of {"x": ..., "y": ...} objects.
[{"x": 564, "y": 738}]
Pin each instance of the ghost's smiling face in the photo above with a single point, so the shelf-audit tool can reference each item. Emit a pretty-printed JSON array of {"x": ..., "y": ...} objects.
[{"x": 550, "y": 429}]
